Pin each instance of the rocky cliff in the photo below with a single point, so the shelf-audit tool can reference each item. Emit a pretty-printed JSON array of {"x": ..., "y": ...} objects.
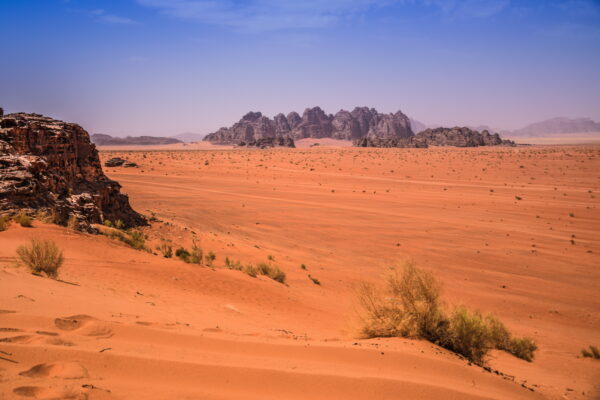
[
  {"x": 49, "y": 165},
  {"x": 455, "y": 137},
  {"x": 315, "y": 123},
  {"x": 461, "y": 137}
]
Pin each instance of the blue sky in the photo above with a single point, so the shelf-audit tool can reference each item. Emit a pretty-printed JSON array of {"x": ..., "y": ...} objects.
[{"x": 163, "y": 67}]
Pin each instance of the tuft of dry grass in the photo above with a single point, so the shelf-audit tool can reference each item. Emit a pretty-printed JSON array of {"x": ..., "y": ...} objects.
[
  {"x": 591, "y": 353},
  {"x": 410, "y": 306},
  {"x": 271, "y": 271},
  {"x": 4, "y": 223},
  {"x": 41, "y": 256},
  {"x": 24, "y": 220}
]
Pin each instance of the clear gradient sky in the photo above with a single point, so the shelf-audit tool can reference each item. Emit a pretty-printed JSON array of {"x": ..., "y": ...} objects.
[{"x": 163, "y": 67}]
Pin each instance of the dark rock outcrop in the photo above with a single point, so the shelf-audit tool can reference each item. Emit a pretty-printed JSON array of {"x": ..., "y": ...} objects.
[
  {"x": 49, "y": 165},
  {"x": 315, "y": 123},
  {"x": 254, "y": 129},
  {"x": 119, "y": 162},
  {"x": 410, "y": 142},
  {"x": 268, "y": 142},
  {"x": 102, "y": 139},
  {"x": 461, "y": 137}
]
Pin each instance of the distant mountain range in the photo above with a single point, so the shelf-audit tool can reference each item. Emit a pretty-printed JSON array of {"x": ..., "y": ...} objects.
[
  {"x": 556, "y": 126},
  {"x": 549, "y": 127},
  {"x": 101, "y": 139},
  {"x": 189, "y": 137}
]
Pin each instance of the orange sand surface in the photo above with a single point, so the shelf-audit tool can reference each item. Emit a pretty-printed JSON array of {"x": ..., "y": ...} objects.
[{"x": 513, "y": 231}]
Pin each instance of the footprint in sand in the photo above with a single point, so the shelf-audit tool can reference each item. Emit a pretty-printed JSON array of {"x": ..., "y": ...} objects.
[
  {"x": 37, "y": 392},
  {"x": 64, "y": 370},
  {"x": 84, "y": 325}
]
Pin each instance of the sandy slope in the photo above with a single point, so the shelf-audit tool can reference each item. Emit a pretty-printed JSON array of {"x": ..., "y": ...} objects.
[{"x": 181, "y": 331}]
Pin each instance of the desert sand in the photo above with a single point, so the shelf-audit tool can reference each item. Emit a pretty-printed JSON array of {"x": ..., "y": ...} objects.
[{"x": 513, "y": 231}]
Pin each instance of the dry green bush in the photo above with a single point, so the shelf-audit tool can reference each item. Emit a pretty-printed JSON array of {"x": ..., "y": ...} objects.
[
  {"x": 24, "y": 220},
  {"x": 133, "y": 238},
  {"x": 591, "y": 353},
  {"x": 165, "y": 249},
  {"x": 41, "y": 256},
  {"x": 272, "y": 271},
  {"x": 4, "y": 223},
  {"x": 410, "y": 306}
]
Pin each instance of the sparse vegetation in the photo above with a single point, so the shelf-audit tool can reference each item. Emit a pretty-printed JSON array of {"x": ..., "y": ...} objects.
[
  {"x": 24, "y": 220},
  {"x": 411, "y": 307},
  {"x": 194, "y": 256},
  {"x": 41, "y": 256},
  {"x": 182, "y": 254},
  {"x": 269, "y": 270},
  {"x": 4, "y": 223},
  {"x": 209, "y": 258},
  {"x": 314, "y": 280},
  {"x": 165, "y": 249},
  {"x": 591, "y": 353},
  {"x": 272, "y": 271},
  {"x": 133, "y": 238}
]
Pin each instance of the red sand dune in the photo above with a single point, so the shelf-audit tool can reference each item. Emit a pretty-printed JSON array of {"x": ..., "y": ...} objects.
[{"x": 137, "y": 325}]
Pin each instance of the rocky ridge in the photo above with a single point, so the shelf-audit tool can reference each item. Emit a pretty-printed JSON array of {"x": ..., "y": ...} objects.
[
  {"x": 51, "y": 166},
  {"x": 102, "y": 139},
  {"x": 314, "y": 123}
]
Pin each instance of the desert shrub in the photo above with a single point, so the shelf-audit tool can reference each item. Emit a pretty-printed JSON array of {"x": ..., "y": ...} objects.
[
  {"x": 271, "y": 271},
  {"x": 166, "y": 250},
  {"x": 133, "y": 238},
  {"x": 410, "y": 306},
  {"x": 230, "y": 264},
  {"x": 523, "y": 348},
  {"x": 107, "y": 222},
  {"x": 182, "y": 254},
  {"x": 24, "y": 220},
  {"x": 196, "y": 255},
  {"x": 209, "y": 258},
  {"x": 41, "y": 256},
  {"x": 314, "y": 280},
  {"x": 119, "y": 224},
  {"x": 250, "y": 270},
  {"x": 4, "y": 223},
  {"x": 469, "y": 335},
  {"x": 591, "y": 353}
]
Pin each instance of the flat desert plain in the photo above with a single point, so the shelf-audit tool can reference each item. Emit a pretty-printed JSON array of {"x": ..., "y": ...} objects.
[{"x": 511, "y": 231}]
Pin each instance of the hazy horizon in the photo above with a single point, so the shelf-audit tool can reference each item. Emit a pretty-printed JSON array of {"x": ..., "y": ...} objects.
[{"x": 158, "y": 67}]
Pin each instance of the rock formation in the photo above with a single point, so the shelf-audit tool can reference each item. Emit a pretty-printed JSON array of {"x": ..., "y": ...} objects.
[
  {"x": 411, "y": 142},
  {"x": 461, "y": 137},
  {"x": 51, "y": 166},
  {"x": 101, "y": 139},
  {"x": 314, "y": 123}
]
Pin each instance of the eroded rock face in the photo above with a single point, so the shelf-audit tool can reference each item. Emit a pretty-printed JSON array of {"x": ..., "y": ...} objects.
[
  {"x": 268, "y": 142},
  {"x": 251, "y": 128},
  {"x": 49, "y": 165},
  {"x": 315, "y": 123},
  {"x": 462, "y": 137},
  {"x": 402, "y": 142}
]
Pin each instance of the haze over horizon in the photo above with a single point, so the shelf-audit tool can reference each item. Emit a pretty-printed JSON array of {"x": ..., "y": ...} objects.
[{"x": 159, "y": 67}]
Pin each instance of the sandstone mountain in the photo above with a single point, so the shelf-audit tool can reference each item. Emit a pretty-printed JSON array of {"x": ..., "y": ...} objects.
[
  {"x": 315, "y": 123},
  {"x": 556, "y": 126},
  {"x": 51, "y": 166},
  {"x": 102, "y": 139}
]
